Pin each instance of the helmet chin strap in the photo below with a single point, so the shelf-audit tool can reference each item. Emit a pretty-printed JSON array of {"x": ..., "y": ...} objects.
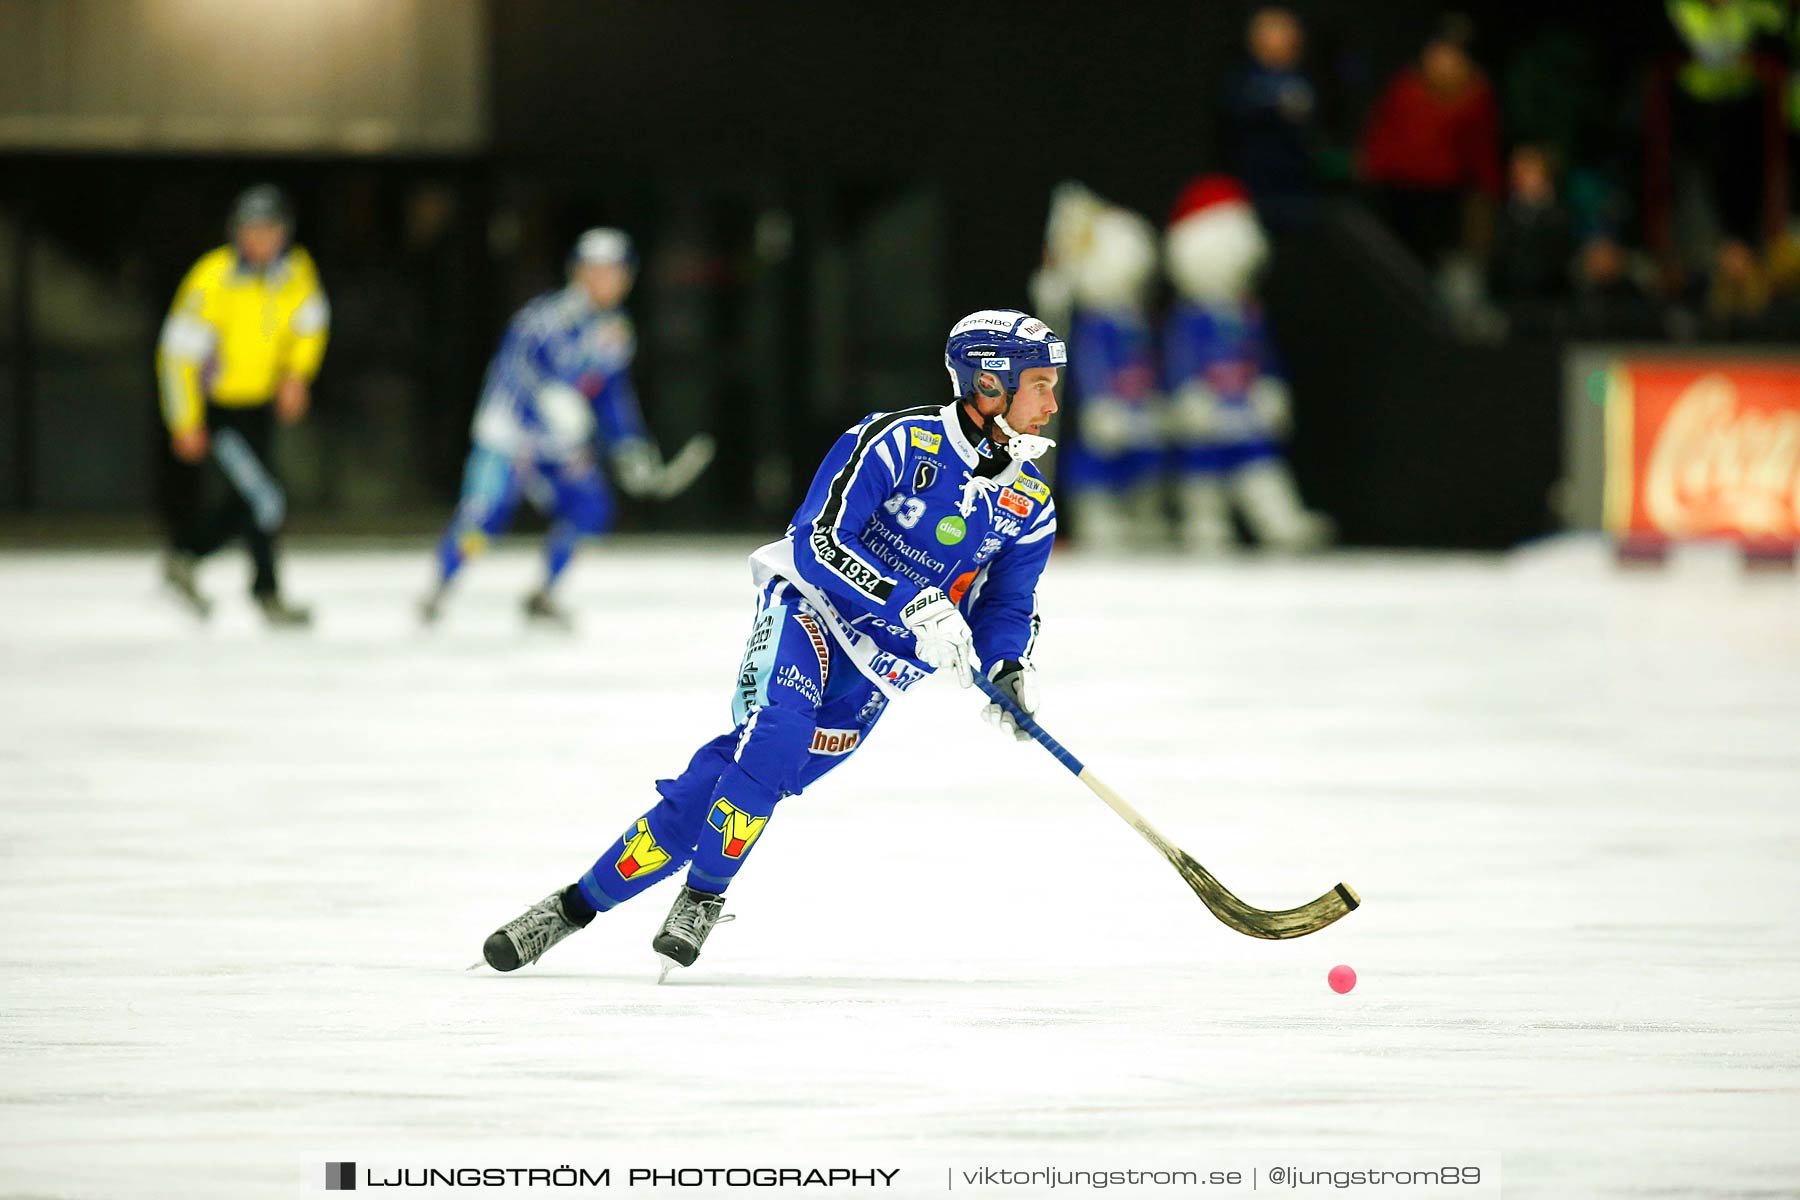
[{"x": 1023, "y": 447}]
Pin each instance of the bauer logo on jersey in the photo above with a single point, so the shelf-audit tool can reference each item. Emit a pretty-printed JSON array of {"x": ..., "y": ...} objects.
[
  {"x": 996, "y": 364},
  {"x": 835, "y": 742},
  {"x": 928, "y": 442},
  {"x": 642, "y": 854},
  {"x": 1032, "y": 488},
  {"x": 738, "y": 831},
  {"x": 1012, "y": 502}
]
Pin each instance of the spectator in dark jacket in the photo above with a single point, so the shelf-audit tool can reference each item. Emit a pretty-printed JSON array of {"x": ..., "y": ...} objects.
[
  {"x": 1610, "y": 300},
  {"x": 1533, "y": 246},
  {"x": 1432, "y": 147},
  {"x": 1270, "y": 113}
]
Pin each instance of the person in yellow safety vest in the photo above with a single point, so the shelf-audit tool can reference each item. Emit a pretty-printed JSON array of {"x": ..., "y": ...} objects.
[
  {"x": 1720, "y": 34},
  {"x": 239, "y": 350},
  {"x": 1719, "y": 116}
]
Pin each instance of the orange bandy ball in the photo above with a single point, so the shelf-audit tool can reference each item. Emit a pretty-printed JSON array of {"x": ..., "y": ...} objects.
[{"x": 1342, "y": 979}]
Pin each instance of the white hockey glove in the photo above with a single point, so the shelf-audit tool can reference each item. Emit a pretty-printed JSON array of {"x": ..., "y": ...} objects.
[
  {"x": 567, "y": 416},
  {"x": 1196, "y": 414},
  {"x": 637, "y": 466},
  {"x": 1108, "y": 426},
  {"x": 945, "y": 641},
  {"x": 1269, "y": 401},
  {"x": 1019, "y": 681}
]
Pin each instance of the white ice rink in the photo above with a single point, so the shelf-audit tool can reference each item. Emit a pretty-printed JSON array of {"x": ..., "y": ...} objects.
[{"x": 241, "y": 875}]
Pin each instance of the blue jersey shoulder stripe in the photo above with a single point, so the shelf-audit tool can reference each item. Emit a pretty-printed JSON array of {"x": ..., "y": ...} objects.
[{"x": 827, "y": 546}]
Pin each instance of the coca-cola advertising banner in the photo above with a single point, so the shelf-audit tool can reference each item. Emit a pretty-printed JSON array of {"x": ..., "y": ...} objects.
[{"x": 1703, "y": 448}]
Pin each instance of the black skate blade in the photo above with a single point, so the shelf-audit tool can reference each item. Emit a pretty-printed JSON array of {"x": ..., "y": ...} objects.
[{"x": 499, "y": 952}]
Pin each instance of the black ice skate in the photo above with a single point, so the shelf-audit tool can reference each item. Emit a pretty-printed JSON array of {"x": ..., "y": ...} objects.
[
  {"x": 279, "y": 614},
  {"x": 523, "y": 940},
  {"x": 179, "y": 570},
  {"x": 431, "y": 608},
  {"x": 542, "y": 610},
  {"x": 684, "y": 930}
]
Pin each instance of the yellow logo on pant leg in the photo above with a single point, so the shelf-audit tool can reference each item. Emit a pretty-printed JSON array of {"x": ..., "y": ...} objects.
[
  {"x": 737, "y": 830},
  {"x": 641, "y": 852}
]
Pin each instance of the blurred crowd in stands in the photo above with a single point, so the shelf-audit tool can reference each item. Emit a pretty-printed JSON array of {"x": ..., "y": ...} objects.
[{"x": 1549, "y": 189}]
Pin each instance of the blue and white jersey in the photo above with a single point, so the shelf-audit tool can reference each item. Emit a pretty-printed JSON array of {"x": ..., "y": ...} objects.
[
  {"x": 561, "y": 375},
  {"x": 1123, "y": 357},
  {"x": 907, "y": 501},
  {"x": 1113, "y": 392},
  {"x": 1226, "y": 349}
]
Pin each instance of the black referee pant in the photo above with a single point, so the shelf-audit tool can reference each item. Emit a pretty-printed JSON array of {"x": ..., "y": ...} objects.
[{"x": 234, "y": 493}]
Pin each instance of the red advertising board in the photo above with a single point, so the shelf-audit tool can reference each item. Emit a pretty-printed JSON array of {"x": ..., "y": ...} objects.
[{"x": 1703, "y": 448}]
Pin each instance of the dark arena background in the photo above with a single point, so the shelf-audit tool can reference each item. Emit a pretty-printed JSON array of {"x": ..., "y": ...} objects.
[{"x": 1427, "y": 496}]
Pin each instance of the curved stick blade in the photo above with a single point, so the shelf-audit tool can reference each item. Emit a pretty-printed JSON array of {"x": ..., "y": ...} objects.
[{"x": 1261, "y": 922}]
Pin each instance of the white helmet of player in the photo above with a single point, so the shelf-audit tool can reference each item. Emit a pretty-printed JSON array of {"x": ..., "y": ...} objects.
[
  {"x": 1104, "y": 255},
  {"x": 604, "y": 246},
  {"x": 1214, "y": 245},
  {"x": 603, "y": 263}
]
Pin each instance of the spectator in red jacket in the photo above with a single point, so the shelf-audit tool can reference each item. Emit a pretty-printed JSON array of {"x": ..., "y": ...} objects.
[{"x": 1432, "y": 148}]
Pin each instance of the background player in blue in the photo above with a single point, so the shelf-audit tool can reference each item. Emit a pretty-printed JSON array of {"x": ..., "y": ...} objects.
[
  {"x": 1099, "y": 268},
  {"x": 918, "y": 548},
  {"x": 557, "y": 396},
  {"x": 1229, "y": 409}
]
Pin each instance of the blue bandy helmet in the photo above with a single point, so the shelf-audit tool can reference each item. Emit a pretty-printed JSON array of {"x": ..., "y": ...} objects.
[{"x": 1002, "y": 342}]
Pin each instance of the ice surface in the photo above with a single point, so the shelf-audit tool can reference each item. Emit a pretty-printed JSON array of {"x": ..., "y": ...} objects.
[{"x": 241, "y": 874}]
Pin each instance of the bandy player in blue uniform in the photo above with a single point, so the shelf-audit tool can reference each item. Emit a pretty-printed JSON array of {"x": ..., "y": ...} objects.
[
  {"x": 1229, "y": 406},
  {"x": 918, "y": 548},
  {"x": 1100, "y": 263},
  {"x": 558, "y": 387}
]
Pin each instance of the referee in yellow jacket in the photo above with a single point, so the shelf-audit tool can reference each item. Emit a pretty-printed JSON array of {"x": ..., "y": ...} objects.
[{"x": 239, "y": 351}]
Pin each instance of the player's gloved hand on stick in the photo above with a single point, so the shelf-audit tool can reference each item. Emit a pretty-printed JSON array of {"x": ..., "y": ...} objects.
[
  {"x": 1019, "y": 681},
  {"x": 637, "y": 466},
  {"x": 944, "y": 639}
]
